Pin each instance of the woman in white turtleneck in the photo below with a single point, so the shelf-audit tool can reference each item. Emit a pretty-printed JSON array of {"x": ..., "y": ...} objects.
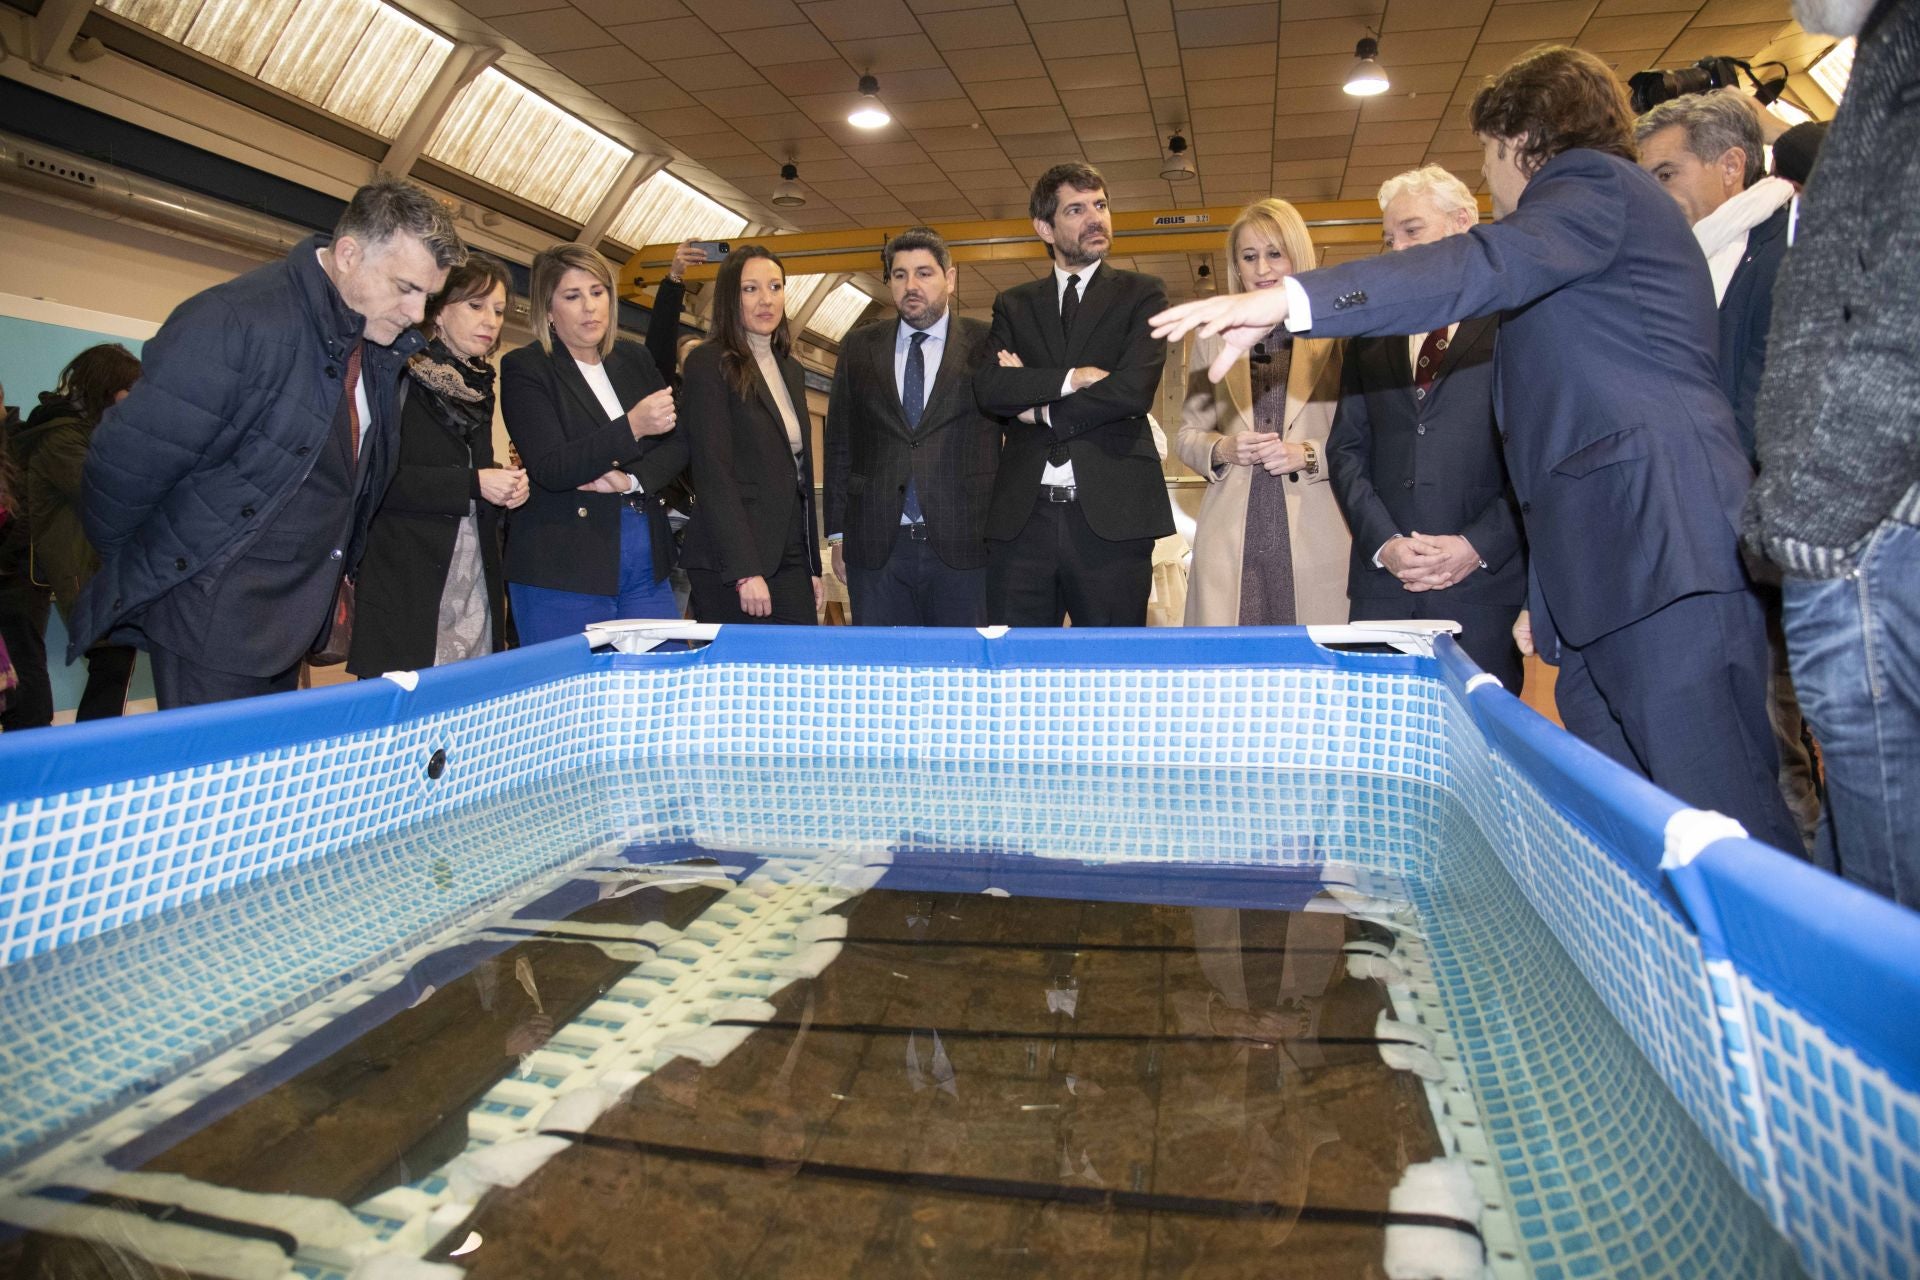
[{"x": 751, "y": 551}]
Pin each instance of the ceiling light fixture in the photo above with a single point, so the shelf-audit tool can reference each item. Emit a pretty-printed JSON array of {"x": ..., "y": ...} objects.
[
  {"x": 1367, "y": 77},
  {"x": 1179, "y": 165},
  {"x": 870, "y": 114},
  {"x": 787, "y": 193}
]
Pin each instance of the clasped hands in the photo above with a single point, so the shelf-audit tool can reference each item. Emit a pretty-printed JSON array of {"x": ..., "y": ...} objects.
[
  {"x": 1084, "y": 376},
  {"x": 1261, "y": 449},
  {"x": 1429, "y": 561},
  {"x": 504, "y": 486}
]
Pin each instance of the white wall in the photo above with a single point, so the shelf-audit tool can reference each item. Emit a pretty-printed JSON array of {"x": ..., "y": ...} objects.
[{"x": 85, "y": 260}]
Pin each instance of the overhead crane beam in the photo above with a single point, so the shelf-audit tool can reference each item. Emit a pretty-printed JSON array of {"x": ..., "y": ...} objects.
[{"x": 1012, "y": 240}]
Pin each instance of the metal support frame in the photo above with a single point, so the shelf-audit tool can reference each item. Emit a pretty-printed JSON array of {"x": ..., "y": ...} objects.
[
  {"x": 463, "y": 65},
  {"x": 53, "y": 30},
  {"x": 637, "y": 170}
]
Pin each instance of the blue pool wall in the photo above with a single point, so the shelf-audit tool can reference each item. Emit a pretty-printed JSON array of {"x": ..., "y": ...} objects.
[{"x": 1781, "y": 1007}]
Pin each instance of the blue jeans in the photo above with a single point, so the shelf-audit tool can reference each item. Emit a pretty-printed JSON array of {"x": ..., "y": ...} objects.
[
  {"x": 542, "y": 613},
  {"x": 1854, "y": 643}
]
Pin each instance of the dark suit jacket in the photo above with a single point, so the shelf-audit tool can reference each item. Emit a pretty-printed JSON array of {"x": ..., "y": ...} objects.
[
  {"x": 1122, "y": 488},
  {"x": 1746, "y": 313},
  {"x": 870, "y": 451},
  {"x": 565, "y": 538},
  {"x": 1619, "y": 442},
  {"x": 744, "y": 471},
  {"x": 1401, "y": 464}
]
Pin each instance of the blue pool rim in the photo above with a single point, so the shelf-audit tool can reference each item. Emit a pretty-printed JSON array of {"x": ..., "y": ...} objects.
[{"x": 1840, "y": 959}]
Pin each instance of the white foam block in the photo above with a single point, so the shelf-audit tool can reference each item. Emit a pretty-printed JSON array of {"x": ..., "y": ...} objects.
[{"x": 1443, "y": 1188}]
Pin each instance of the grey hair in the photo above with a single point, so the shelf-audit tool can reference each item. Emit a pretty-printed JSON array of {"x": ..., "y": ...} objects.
[
  {"x": 916, "y": 238},
  {"x": 388, "y": 207},
  {"x": 1448, "y": 193},
  {"x": 1713, "y": 124}
]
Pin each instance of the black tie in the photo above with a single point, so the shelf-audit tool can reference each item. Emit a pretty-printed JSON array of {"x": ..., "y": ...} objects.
[{"x": 1069, "y": 308}]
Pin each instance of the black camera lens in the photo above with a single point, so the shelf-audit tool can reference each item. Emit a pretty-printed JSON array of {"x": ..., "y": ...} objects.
[{"x": 1649, "y": 89}]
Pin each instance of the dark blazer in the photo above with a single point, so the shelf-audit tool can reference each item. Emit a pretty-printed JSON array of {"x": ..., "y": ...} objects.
[
  {"x": 744, "y": 472},
  {"x": 870, "y": 450},
  {"x": 223, "y": 489},
  {"x": 1619, "y": 442},
  {"x": 410, "y": 544},
  {"x": 1401, "y": 464},
  {"x": 1122, "y": 489},
  {"x": 565, "y": 538},
  {"x": 1746, "y": 313}
]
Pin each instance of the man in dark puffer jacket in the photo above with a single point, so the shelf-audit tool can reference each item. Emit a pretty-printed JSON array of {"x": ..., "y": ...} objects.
[{"x": 231, "y": 490}]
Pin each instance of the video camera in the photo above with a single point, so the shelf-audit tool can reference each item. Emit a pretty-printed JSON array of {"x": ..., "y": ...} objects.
[{"x": 1651, "y": 88}]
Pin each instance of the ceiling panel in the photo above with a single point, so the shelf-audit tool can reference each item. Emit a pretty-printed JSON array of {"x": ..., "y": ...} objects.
[{"x": 986, "y": 94}]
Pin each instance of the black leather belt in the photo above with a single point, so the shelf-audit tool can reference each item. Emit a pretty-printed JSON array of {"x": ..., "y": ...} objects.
[{"x": 1057, "y": 492}]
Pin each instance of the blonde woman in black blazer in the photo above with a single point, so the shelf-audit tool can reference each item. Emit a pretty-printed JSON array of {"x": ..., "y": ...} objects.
[
  {"x": 594, "y": 425},
  {"x": 751, "y": 551}
]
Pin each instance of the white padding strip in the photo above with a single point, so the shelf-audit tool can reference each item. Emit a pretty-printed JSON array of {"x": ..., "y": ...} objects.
[
  {"x": 1481, "y": 681},
  {"x": 1691, "y": 830},
  {"x": 320, "y": 1226},
  {"x": 408, "y": 680},
  {"x": 1443, "y": 1188}
]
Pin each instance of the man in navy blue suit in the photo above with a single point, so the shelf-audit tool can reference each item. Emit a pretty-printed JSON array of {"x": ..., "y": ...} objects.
[{"x": 1620, "y": 444}]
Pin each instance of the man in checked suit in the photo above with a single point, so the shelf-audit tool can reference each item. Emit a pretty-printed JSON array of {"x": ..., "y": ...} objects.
[
  {"x": 1415, "y": 458},
  {"x": 1080, "y": 497},
  {"x": 910, "y": 456}
]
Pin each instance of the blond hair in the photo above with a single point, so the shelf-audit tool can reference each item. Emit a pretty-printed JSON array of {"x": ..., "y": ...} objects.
[
  {"x": 549, "y": 265},
  {"x": 1277, "y": 222}
]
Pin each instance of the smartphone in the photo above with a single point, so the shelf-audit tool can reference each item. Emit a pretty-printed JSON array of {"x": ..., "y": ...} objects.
[{"x": 716, "y": 249}]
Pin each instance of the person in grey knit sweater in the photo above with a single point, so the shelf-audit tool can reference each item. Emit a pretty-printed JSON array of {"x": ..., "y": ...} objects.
[{"x": 1837, "y": 502}]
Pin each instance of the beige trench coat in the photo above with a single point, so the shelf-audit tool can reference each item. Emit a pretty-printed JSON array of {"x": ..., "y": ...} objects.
[{"x": 1315, "y": 526}]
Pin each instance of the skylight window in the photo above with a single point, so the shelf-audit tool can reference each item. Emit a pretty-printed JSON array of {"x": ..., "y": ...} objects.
[
  {"x": 800, "y": 291},
  {"x": 503, "y": 133},
  {"x": 362, "y": 60},
  {"x": 842, "y": 308},
  {"x": 1834, "y": 68},
  {"x": 665, "y": 210}
]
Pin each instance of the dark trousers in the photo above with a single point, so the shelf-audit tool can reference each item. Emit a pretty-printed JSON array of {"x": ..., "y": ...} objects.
[
  {"x": 109, "y": 672},
  {"x": 791, "y": 586},
  {"x": 916, "y": 588},
  {"x": 1486, "y": 635},
  {"x": 178, "y": 681},
  {"x": 1058, "y": 567},
  {"x": 23, "y": 624},
  {"x": 1680, "y": 697}
]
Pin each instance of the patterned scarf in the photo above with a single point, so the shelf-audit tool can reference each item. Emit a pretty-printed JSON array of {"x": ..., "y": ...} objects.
[{"x": 459, "y": 392}]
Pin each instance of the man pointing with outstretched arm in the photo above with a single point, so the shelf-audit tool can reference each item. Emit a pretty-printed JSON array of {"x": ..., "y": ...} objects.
[{"x": 1619, "y": 442}]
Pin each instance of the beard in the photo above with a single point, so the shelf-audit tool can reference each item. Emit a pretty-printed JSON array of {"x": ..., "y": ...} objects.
[{"x": 1832, "y": 17}]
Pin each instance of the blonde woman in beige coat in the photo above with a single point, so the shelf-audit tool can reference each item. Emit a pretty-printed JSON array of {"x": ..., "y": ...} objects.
[{"x": 1263, "y": 449}]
